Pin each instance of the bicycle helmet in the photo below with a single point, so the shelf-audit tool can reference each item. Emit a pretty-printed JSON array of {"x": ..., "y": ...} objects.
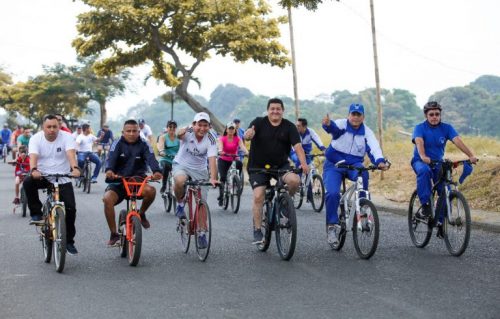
[{"x": 431, "y": 105}]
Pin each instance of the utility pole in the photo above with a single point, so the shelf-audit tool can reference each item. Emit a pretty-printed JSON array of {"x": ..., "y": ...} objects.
[
  {"x": 294, "y": 69},
  {"x": 377, "y": 82}
]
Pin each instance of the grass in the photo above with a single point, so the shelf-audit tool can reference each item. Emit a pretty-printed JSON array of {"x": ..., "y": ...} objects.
[{"x": 481, "y": 188}]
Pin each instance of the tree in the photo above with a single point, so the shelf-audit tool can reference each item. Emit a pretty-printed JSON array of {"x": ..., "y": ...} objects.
[
  {"x": 168, "y": 33},
  {"x": 100, "y": 88},
  {"x": 308, "y": 4},
  {"x": 224, "y": 99}
]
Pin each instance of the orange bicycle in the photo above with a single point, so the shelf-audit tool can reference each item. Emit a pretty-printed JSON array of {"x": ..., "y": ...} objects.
[
  {"x": 129, "y": 221},
  {"x": 197, "y": 222}
]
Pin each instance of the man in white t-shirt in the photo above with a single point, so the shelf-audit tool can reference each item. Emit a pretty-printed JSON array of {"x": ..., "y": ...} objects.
[
  {"x": 84, "y": 143},
  {"x": 77, "y": 132},
  {"x": 52, "y": 151},
  {"x": 197, "y": 145},
  {"x": 146, "y": 131}
]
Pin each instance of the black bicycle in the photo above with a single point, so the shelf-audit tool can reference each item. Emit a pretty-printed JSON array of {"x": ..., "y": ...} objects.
[
  {"x": 233, "y": 186},
  {"x": 450, "y": 212},
  {"x": 279, "y": 214}
]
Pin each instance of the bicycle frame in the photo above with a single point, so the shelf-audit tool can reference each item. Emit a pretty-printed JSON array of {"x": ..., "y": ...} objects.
[
  {"x": 351, "y": 205},
  {"x": 193, "y": 193},
  {"x": 134, "y": 191},
  {"x": 448, "y": 185}
]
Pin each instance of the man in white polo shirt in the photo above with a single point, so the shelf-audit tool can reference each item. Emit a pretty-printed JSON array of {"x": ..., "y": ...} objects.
[
  {"x": 197, "y": 145},
  {"x": 52, "y": 151}
]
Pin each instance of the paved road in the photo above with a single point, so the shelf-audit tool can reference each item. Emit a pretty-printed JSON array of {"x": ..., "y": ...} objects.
[{"x": 237, "y": 281}]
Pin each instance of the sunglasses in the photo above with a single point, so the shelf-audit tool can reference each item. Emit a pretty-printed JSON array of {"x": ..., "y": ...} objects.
[{"x": 432, "y": 114}]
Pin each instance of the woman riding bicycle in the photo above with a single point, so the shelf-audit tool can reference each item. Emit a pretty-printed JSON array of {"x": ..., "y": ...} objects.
[
  {"x": 430, "y": 139},
  {"x": 228, "y": 144},
  {"x": 168, "y": 146},
  {"x": 351, "y": 139}
]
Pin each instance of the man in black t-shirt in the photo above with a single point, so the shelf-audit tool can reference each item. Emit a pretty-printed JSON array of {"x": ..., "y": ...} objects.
[{"x": 272, "y": 138}]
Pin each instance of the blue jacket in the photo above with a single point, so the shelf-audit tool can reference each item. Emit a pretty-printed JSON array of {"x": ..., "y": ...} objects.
[
  {"x": 351, "y": 144},
  {"x": 133, "y": 159}
]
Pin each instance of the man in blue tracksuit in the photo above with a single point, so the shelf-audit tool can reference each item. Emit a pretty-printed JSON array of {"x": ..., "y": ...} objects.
[
  {"x": 351, "y": 140},
  {"x": 430, "y": 139}
]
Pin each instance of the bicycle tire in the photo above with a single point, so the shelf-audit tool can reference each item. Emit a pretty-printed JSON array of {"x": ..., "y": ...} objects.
[
  {"x": 370, "y": 230},
  {"x": 4, "y": 154},
  {"x": 46, "y": 242},
  {"x": 458, "y": 223},
  {"x": 24, "y": 202},
  {"x": 225, "y": 196},
  {"x": 298, "y": 197},
  {"x": 420, "y": 232},
  {"x": 88, "y": 177},
  {"x": 242, "y": 180},
  {"x": 167, "y": 202},
  {"x": 318, "y": 195},
  {"x": 59, "y": 235},
  {"x": 343, "y": 229},
  {"x": 203, "y": 252},
  {"x": 266, "y": 227},
  {"x": 286, "y": 227},
  {"x": 135, "y": 245},
  {"x": 123, "y": 248},
  {"x": 235, "y": 195},
  {"x": 183, "y": 226},
  {"x": 103, "y": 161}
]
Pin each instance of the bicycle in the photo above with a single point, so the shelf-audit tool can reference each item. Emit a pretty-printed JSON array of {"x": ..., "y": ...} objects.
[
  {"x": 365, "y": 221},
  {"x": 457, "y": 217},
  {"x": 198, "y": 221},
  {"x": 129, "y": 220},
  {"x": 279, "y": 214},
  {"x": 5, "y": 151},
  {"x": 168, "y": 195},
  {"x": 23, "y": 200},
  {"x": 104, "y": 155},
  {"x": 313, "y": 180},
  {"x": 233, "y": 186},
  {"x": 53, "y": 224}
]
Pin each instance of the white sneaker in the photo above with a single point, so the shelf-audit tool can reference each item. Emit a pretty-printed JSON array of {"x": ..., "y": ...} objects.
[{"x": 333, "y": 234}]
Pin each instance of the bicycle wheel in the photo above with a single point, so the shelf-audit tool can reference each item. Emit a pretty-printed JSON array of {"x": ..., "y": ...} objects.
[
  {"x": 343, "y": 229},
  {"x": 59, "y": 236},
  {"x": 242, "y": 180},
  {"x": 167, "y": 202},
  {"x": 420, "y": 232},
  {"x": 24, "y": 202},
  {"x": 235, "y": 194},
  {"x": 365, "y": 230},
  {"x": 286, "y": 227},
  {"x": 183, "y": 226},
  {"x": 203, "y": 230},
  {"x": 88, "y": 178},
  {"x": 457, "y": 226},
  {"x": 318, "y": 193},
  {"x": 46, "y": 242},
  {"x": 298, "y": 197},
  {"x": 266, "y": 227},
  {"x": 226, "y": 197},
  {"x": 134, "y": 245},
  {"x": 103, "y": 161},
  {"x": 122, "y": 231}
]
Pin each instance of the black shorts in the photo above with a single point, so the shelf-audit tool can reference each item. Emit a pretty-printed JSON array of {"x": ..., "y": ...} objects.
[
  {"x": 119, "y": 190},
  {"x": 260, "y": 179}
]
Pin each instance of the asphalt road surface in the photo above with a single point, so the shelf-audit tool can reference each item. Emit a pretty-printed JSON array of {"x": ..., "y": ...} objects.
[{"x": 238, "y": 281}]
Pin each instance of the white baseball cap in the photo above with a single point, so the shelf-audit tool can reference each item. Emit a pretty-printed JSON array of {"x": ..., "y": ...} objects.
[
  {"x": 202, "y": 116},
  {"x": 230, "y": 124}
]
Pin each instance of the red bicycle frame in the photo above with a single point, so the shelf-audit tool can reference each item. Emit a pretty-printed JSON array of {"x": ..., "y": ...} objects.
[{"x": 134, "y": 191}]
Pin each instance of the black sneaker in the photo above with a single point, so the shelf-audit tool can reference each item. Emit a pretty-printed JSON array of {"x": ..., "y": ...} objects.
[
  {"x": 424, "y": 212},
  {"x": 257, "y": 236},
  {"x": 71, "y": 249}
]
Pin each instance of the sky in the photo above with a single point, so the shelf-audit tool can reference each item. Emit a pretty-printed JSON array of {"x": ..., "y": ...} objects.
[{"x": 423, "y": 46}]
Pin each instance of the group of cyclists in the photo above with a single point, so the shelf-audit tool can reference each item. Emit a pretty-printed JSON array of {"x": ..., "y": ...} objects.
[{"x": 195, "y": 153}]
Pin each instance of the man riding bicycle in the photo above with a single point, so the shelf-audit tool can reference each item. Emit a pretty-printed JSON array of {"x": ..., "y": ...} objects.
[
  {"x": 272, "y": 137},
  {"x": 6, "y": 135},
  {"x": 52, "y": 151},
  {"x": 129, "y": 156},
  {"x": 85, "y": 141},
  {"x": 197, "y": 145},
  {"x": 104, "y": 139},
  {"x": 351, "y": 140},
  {"x": 430, "y": 139}
]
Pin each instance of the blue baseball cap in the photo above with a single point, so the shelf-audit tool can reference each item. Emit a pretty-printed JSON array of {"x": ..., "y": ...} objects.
[{"x": 355, "y": 107}]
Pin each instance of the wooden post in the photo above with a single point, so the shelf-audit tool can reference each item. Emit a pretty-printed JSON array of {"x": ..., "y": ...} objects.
[{"x": 294, "y": 69}]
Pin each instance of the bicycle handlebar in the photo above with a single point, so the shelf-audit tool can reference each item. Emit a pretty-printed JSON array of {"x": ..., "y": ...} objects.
[
  {"x": 370, "y": 167},
  {"x": 275, "y": 171},
  {"x": 201, "y": 182}
]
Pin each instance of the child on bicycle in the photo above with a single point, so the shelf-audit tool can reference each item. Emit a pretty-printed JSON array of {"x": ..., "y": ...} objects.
[
  {"x": 22, "y": 164},
  {"x": 351, "y": 140}
]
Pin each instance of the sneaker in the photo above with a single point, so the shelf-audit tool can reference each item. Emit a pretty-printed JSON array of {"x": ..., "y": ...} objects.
[
  {"x": 220, "y": 202},
  {"x": 71, "y": 249},
  {"x": 94, "y": 180},
  {"x": 163, "y": 188},
  {"x": 202, "y": 240},
  {"x": 424, "y": 212},
  {"x": 179, "y": 212},
  {"x": 16, "y": 201},
  {"x": 333, "y": 233},
  {"x": 145, "y": 221},
  {"x": 113, "y": 240},
  {"x": 36, "y": 219},
  {"x": 440, "y": 231},
  {"x": 258, "y": 237}
]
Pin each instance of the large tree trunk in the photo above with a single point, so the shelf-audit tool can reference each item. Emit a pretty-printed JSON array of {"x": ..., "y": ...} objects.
[
  {"x": 104, "y": 112},
  {"x": 197, "y": 107}
]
